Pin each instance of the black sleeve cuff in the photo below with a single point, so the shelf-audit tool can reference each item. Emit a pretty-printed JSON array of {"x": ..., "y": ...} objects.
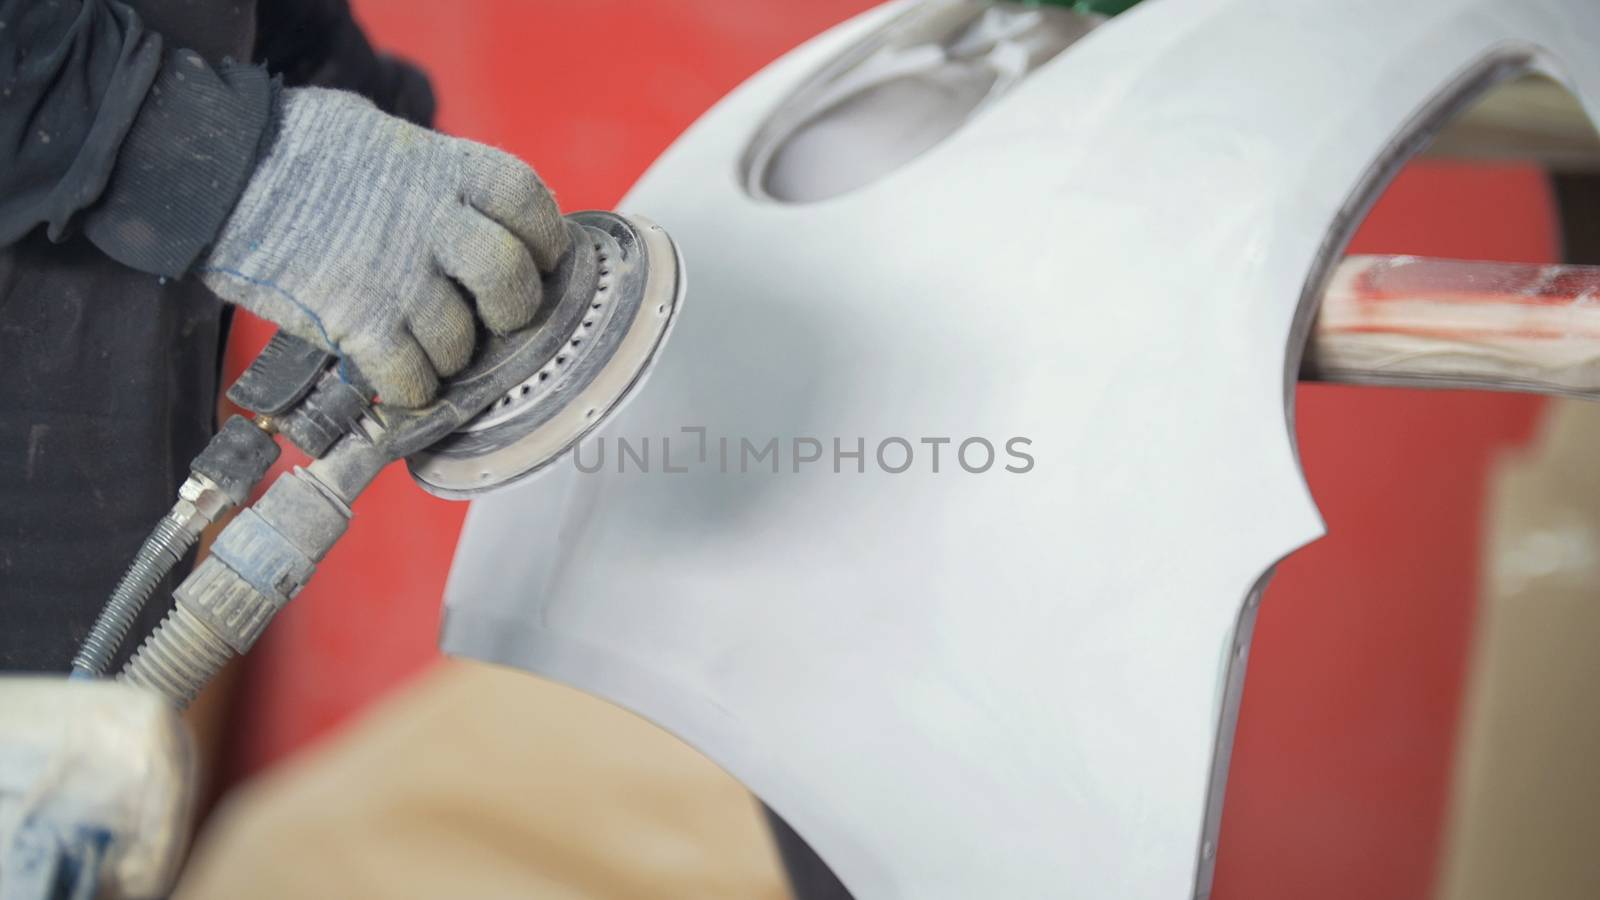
[{"x": 185, "y": 162}]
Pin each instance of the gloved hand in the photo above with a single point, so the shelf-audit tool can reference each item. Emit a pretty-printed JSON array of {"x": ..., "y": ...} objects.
[{"x": 377, "y": 239}]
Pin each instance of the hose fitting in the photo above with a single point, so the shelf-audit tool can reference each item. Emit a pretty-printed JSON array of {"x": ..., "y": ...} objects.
[{"x": 255, "y": 567}]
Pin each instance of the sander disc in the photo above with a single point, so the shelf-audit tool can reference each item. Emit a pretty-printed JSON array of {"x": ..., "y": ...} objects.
[{"x": 632, "y": 308}]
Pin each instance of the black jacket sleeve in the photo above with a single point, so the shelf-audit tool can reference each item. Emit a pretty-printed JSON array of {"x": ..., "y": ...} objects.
[
  {"x": 145, "y": 149},
  {"x": 318, "y": 42}
]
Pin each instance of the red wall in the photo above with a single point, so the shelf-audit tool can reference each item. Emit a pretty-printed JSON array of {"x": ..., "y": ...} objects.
[
  {"x": 1343, "y": 756},
  {"x": 1341, "y": 765}
]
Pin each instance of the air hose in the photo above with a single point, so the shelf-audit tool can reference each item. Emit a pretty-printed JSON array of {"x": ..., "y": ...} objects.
[{"x": 220, "y": 478}]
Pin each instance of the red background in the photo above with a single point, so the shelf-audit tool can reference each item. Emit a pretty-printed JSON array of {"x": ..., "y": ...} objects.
[{"x": 1342, "y": 764}]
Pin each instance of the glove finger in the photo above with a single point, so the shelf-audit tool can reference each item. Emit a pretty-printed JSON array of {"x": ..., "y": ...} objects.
[
  {"x": 398, "y": 369},
  {"x": 503, "y": 188},
  {"x": 443, "y": 326},
  {"x": 495, "y": 268}
]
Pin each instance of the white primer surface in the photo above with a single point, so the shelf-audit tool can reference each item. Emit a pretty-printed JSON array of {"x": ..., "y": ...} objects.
[{"x": 994, "y": 685}]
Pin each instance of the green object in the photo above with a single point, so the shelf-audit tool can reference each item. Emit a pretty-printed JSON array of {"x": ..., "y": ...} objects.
[{"x": 1101, "y": 7}]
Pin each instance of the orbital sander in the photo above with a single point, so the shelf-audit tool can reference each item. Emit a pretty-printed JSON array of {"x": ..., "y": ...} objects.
[{"x": 525, "y": 400}]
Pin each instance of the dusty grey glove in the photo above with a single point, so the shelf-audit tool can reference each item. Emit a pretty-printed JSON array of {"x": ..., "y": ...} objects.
[{"x": 378, "y": 239}]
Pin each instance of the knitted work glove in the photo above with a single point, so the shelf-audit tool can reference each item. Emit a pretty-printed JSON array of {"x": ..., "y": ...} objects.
[{"x": 383, "y": 241}]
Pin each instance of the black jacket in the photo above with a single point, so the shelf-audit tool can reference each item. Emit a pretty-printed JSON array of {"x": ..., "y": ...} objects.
[
  {"x": 143, "y": 142},
  {"x": 108, "y": 375}
]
